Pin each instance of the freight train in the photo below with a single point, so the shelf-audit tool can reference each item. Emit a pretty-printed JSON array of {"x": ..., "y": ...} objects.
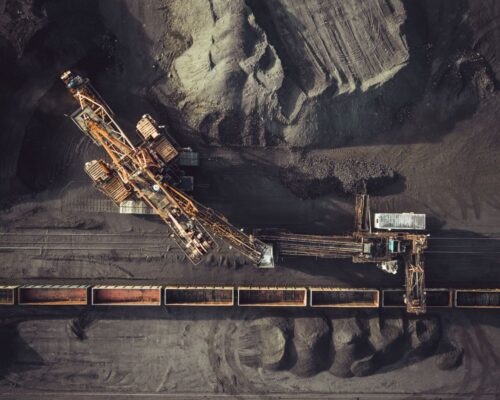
[{"x": 241, "y": 296}]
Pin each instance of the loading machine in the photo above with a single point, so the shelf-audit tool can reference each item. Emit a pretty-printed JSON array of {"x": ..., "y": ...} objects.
[
  {"x": 387, "y": 249},
  {"x": 144, "y": 172}
]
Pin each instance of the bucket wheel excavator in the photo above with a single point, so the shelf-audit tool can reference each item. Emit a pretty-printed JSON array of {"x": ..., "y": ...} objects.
[{"x": 141, "y": 171}]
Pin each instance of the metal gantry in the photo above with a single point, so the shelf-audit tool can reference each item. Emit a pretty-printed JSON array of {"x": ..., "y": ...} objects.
[
  {"x": 141, "y": 171},
  {"x": 388, "y": 250}
]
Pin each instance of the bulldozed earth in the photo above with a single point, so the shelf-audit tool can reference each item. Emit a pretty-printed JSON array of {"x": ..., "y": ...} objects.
[{"x": 292, "y": 107}]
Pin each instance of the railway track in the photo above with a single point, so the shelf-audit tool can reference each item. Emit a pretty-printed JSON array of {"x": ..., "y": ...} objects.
[
  {"x": 55, "y": 241},
  {"x": 313, "y": 245},
  {"x": 160, "y": 242}
]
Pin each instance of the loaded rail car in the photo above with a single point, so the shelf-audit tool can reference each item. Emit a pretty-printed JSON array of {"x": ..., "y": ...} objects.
[
  {"x": 126, "y": 295},
  {"x": 344, "y": 298},
  {"x": 272, "y": 296},
  {"x": 435, "y": 298},
  {"x": 53, "y": 295},
  {"x": 477, "y": 298},
  {"x": 8, "y": 295},
  {"x": 439, "y": 297},
  {"x": 199, "y": 296}
]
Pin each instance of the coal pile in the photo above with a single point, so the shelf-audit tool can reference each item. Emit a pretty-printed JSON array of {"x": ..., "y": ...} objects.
[
  {"x": 266, "y": 344},
  {"x": 311, "y": 177},
  {"x": 346, "y": 346},
  {"x": 20, "y": 21},
  {"x": 349, "y": 346},
  {"x": 312, "y": 343},
  {"x": 388, "y": 338},
  {"x": 268, "y": 72}
]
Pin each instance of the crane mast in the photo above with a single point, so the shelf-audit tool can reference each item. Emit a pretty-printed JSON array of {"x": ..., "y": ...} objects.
[{"x": 141, "y": 172}]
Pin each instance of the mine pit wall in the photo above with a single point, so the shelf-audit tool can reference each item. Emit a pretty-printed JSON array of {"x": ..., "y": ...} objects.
[
  {"x": 344, "y": 298},
  {"x": 477, "y": 298},
  {"x": 199, "y": 296},
  {"x": 272, "y": 297},
  {"x": 53, "y": 295},
  {"x": 435, "y": 298},
  {"x": 126, "y": 295},
  {"x": 7, "y": 295}
]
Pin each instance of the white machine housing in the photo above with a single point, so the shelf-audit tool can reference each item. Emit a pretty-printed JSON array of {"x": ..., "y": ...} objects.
[{"x": 399, "y": 221}]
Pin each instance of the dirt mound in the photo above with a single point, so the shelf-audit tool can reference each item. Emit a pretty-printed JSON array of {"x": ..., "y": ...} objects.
[
  {"x": 265, "y": 343},
  {"x": 51, "y": 144},
  {"x": 460, "y": 83},
  {"x": 306, "y": 187},
  {"x": 20, "y": 21},
  {"x": 252, "y": 73},
  {"x": 344, "y": 358},
  {"x": 387, "y": 337},
  {"x": 312, "y": 341},
  {"x": 424, "y": 335},
  {"x": 310, "y": 177},
  {"x": 268, "y": 73},
  {"x": 39, "y": 40},
  {"x": 229, "y": 55},
  {"x": 363, "y": 346},
  {"x": 349, "y": 342}
]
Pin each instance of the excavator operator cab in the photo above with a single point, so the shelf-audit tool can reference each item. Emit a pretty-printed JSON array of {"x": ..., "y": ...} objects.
[
  {"x": 72, "y": 81},
  {"x": 75, "y": 82},
  {"x": 396, "y": 247}
]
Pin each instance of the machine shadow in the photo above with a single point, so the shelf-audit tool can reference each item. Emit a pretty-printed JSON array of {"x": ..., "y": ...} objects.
[{"x": 17, "y": 355}]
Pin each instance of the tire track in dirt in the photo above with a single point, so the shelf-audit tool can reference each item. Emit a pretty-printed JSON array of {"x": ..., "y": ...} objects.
[
  {"x": 230, "y": 377},
  {"x": 223, "y": 383},
  {"x": 244, "y": 384},
  {"x": 480, "y": 363},
  {"x": 490, "y": 363}
]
